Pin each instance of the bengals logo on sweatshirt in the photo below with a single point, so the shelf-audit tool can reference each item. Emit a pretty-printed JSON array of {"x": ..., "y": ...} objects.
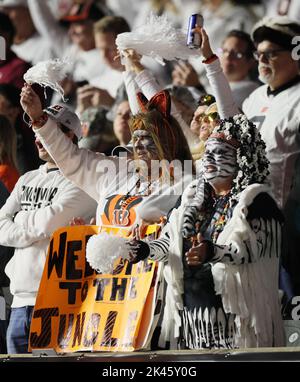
[{"x": 119, "y": 211}]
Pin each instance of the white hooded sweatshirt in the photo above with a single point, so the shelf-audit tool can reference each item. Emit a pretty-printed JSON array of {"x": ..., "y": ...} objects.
[{"x": 41, "y": 202}]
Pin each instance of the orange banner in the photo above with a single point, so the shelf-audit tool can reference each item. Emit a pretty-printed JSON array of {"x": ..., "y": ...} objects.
[{"x": 79, "y": 309}]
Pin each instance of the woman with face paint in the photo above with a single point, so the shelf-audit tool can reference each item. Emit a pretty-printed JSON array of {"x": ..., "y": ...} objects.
[
  {"x": 219, "y": 162},
  {"x": 121, "y": 185},
  {"x": 221, "y": 247}
]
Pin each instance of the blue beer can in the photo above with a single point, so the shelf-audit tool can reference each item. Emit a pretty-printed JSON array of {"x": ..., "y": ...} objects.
[{"x": 194, "y": 40}]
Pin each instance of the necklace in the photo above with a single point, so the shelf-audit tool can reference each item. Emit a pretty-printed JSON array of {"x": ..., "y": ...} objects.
[
  {"x": 220, "y": 207},
  {"x": 220, "y": 222},
  {"x": 128, "y": 198}
]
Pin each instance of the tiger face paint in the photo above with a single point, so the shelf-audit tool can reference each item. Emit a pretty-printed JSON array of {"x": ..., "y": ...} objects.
[
  {"x": 144, "y": 145},
  {"x": 219, "y": 161}
]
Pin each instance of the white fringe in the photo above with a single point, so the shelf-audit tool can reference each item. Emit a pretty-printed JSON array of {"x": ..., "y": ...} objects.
[
  {"x": 158, "y": 39},
  {"x": 48, "y": 73}
]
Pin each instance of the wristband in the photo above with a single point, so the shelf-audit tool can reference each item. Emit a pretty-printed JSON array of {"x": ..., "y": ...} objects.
[
  {"x": 40, "y": 121},
  {"x": 210, "y": 59}
]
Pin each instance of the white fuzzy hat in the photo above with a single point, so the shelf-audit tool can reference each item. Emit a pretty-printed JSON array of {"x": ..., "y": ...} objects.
[{"x": 122, "y": 149}]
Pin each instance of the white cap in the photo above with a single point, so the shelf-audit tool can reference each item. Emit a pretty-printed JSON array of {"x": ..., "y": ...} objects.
[
  {"x": 66, "y": 117},
  {"x": 13, "y": 3},
  {"x": 122, "y": 149}
]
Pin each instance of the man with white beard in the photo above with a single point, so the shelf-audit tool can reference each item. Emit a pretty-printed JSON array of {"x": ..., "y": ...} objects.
[{"x": 275, "y": 108}]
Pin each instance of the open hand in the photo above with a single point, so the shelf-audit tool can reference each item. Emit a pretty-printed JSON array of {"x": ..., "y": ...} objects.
[
  {"x": 89, "y": 95},
  {"x": 185, "y": 75}
]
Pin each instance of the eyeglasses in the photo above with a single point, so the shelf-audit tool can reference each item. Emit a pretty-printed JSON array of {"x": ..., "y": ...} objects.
[
  {"x": 232, "y": 54},
  {"x": 268, "y": 54},
  {"x": 206, "y": 100},
  {"x": 210, "y": 117}
]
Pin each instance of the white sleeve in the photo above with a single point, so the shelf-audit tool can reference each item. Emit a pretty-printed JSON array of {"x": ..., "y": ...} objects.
[
  {"x": 132, "y": 89},
  {"x": 159, "y": 248},
  {"x": 89, "y": 170},
  {"x": 266, "y": 233},
  {"x": 48, "y": 27},
  {"x": 70, "y": 203},
  {"x": 147, "y": 83},
  {"x": 221, "y": 90},
  {"x": 246, "y": 105},
  {"x": 13, "y": 234}
]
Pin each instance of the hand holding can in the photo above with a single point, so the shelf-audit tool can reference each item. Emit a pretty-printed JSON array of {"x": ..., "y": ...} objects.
[{"x": 194, "y": 39}]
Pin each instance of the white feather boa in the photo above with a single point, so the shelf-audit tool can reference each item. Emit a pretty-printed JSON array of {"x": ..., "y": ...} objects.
[
  {"x": 48, "y": 73},
  {"x": 158, "y": 39},
  {"x": 104, "y": 249}
]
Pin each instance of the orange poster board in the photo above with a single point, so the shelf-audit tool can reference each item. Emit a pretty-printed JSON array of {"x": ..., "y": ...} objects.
[{"x": 79, "y": 309}]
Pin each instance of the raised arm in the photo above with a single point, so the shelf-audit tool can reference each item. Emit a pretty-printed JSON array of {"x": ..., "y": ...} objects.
[
  {"x": 218, "y": 82},
  {"x": 137, "y": 78},
  {"x": 88, "y": 170},
  {"x": 48, "y": 26}
]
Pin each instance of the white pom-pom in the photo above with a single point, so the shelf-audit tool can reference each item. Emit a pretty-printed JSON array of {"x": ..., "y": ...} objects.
[
  {"x": 48, "y": 73},
  {"x": 103, "y": 249},
  {"x": 158, "y": 39}
]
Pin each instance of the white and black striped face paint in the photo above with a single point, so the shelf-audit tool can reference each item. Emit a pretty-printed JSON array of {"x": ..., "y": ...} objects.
[{"x": 219, "y": 161}]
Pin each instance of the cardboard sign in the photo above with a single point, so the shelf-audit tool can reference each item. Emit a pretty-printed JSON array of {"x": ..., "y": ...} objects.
[{"x": 79, "y": 309}]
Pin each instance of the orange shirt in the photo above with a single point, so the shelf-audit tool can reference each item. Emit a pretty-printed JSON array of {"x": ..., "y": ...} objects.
[{"x": 9, "y": 176}]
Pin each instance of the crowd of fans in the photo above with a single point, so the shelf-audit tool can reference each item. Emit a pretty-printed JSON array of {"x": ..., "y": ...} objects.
[{"x": 238, "y": 102}]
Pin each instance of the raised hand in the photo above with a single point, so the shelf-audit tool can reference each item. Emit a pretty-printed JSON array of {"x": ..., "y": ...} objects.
[
  {"x": 205, "y": 44},
  {"x": 185, "y": 75},
  {"x": 132, "y": 61},
  {"x": 31, "y": 102},
  {"x": 89, "y": 95}
]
